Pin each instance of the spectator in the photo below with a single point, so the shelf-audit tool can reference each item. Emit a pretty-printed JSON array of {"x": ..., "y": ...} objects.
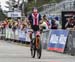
[
  {"x": 70, "y": 23},
  {"x": 54, "y": 25},
  {"x": 45, "y": 23},
  {"x": 57, "y": 22},
  {"x": 50, "y": 19},
  {"x": 14, "y": 26}
]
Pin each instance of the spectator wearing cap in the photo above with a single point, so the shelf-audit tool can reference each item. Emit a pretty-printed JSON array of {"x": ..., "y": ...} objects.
[
  {"x": 53, "y": 24},
  {"x": 57, "y": 22}
]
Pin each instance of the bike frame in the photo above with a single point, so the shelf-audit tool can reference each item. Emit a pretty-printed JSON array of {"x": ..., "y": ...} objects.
[{"x": 36, "y": 36}]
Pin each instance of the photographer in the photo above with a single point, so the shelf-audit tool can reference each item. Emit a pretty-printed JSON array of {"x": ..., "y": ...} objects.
[{"x": 70, "y": 24}]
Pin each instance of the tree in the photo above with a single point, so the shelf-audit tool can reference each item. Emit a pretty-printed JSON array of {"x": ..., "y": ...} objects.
[
  {"x": 40, "y": 3},
  {"x": 11, "y": 4},
  {"x": 23, "y": 8},
  {"x": 30, "y": 0},
  {"x": 2, "y": 15}
]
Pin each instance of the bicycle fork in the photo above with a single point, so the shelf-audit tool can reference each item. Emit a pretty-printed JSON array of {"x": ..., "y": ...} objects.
[{"x": 37, "y": 42}]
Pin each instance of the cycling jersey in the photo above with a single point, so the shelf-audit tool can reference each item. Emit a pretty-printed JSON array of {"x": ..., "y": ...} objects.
[{"x": 34, "y": 20}]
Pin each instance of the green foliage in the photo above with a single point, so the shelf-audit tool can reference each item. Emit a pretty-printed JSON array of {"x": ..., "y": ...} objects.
[
  {"x": 2, "y": 16},
  {"x": 40, "y": 3}
]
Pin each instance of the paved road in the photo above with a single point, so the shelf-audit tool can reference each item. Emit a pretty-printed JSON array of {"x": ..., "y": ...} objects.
[{"x": 10, "y": 52}]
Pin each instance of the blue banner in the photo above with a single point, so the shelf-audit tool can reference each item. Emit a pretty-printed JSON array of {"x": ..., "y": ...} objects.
[
  {"x": 58, "y": 40},
  {"x": 22, "y": 35}
]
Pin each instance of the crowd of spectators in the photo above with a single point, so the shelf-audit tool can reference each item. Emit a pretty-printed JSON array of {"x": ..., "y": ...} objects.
[{"x": 46, "y": 23}]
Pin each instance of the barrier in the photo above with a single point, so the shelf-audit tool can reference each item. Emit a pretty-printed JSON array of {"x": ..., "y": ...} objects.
[
  {"x": 45, "y": 38},
  {"x": 3, "y": 32},
  {"x": 18, "y": 34},
  {"x": 27, "y": 35},
  {"x": 70, "y": 47},
  {"x": 58, "y": 40},
  {"x": 8, "y": 33},
  {"x": 53, "y": 40},
  {"x": 12, "y": 34},
  {"x": 0, "y": 33},
  {"x": 22, "y": 36}
]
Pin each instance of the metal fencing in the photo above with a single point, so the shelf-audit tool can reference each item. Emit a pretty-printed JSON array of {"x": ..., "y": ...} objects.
[
  {"x": 45, "y": 38},
  {"x": 70, "y": 47},
  {"x": 2, "y": 33},
  {"x": 18, "y": 34},
  {"x": 23, "y": 36},
  {"x": 66, "y": 5}
]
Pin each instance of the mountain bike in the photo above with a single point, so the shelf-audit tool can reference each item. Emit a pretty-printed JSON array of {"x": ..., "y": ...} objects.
[{"x": 36, "y": 45}]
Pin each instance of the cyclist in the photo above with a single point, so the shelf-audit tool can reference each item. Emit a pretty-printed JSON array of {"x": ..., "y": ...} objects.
[{"x": 34, "y": 19}]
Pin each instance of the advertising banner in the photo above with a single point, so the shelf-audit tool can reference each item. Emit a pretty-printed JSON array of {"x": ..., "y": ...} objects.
[
  {"x": 58, "y": 40},
  {"x": 22, "y": 35},
  {"x": 14, "y": 14},
  {"x": 16, "y": 34},
  {"x": 8, "y": 33},
  {"x": 27, "y": 35},
  {"x": 12, "y": 34}
]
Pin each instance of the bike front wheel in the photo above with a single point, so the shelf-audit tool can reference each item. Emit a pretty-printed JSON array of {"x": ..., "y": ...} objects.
[
  {"x": 39, "y": 51},
  {"x": 33, "y": 51}
]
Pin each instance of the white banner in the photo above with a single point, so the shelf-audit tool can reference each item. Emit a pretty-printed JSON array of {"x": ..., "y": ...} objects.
[{"x": 14, "y": 14}]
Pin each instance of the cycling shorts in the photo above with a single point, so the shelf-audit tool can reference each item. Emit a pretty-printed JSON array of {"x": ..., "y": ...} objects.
[{"x": 35, "y": 27}]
